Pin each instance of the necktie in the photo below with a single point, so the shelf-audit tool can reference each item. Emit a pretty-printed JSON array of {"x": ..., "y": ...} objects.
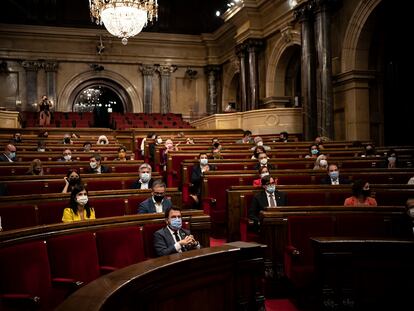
[
  {"x": 176, "y": 236},
  {"x": 272, "y": 200}
]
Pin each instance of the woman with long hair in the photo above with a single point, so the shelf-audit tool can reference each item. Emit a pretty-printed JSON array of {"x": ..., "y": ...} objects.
[
  {"x": 71, "y": 180},
  {"x": 361, "y": 195},
  {"x": 79, "y": 208},
  {"x": 35, "y": 168}
]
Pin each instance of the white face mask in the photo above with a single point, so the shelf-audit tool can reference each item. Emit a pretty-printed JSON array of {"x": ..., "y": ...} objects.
[
  {"x": 203, "y": 161},
  {"x": 93, "y": 164},
  {"x": 159, "y": 140},
  {"x": 264, "y": 174},
  {"x": 263, "y": 161},
  {"x": 41, "y": 150},
  {"x": 411, "y": 212},
  {"x": 259, "y": 143},
  {"x": 67, "y": 157},
  {"x": 145, "y": 177},
  {"x": 323, "y": 163},
  {"x": 82, "y": 200}
]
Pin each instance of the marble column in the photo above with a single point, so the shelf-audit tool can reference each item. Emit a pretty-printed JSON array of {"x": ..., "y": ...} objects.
[
  {"x": 147, "y": 73},
  {"x": 304, "y": 15},
  {"x": 31, "y": 68},
  {"x": 165, "y": 77},
  {"x": 241, "y": 53},
  {"x": 51, "y": 70},
  {"x": 253, "y": 46},
  {"x": 213, "y": 87},
  {"x": 324, "y": 70}
]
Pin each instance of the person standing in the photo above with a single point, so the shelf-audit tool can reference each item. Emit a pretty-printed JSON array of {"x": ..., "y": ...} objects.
[{"x": 44, "y": 109}]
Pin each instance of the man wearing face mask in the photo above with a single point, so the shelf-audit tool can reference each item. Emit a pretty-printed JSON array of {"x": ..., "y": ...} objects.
[
  {"x": 9, "y": 154},
  {"x": 268, "y": 197},
  {"x": 66, "y": 156},
  {"x": 263, "y": 160},
  {"x": 145, "y": 180},
  {"x": 173, "y": 238},
  {"x": 157, "y": 203},
  {"x": 259, "y": 143},
  {"x": 95, "y": 166},
  {"x": 333, "y": 177}
]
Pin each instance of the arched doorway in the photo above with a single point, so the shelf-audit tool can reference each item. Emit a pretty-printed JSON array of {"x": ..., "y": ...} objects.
[
  {"x": 102, "y": 97},
  {"x": 233, "y": 95},
  {"x": 293, "y": 75}
]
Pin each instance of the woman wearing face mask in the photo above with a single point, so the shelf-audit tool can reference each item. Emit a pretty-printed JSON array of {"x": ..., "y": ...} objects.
[
  {"x": 197, "y": 177},
  {"x": 391, "y": 159},
  {"x": 361, "y": 195},
  {"x": 35, "y": 168},
  {"x": 313, "y": 151},
  {"x": 256, "y": 151},
  {"x": 321, "y": 163},
  {"x": 79, "y": 208},
  {"x": 71, "y": 180},
  {"x": 263, "y": 171}
]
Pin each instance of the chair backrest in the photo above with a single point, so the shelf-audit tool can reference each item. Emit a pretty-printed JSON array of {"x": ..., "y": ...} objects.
[
  {"x": 120, "y": 247},
  {"x": 149, "y": 230},
  {"x": 74, "y": 257}
]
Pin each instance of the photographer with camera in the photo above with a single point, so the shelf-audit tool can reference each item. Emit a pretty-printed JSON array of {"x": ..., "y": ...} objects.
[{"x": 173, "y": 238}]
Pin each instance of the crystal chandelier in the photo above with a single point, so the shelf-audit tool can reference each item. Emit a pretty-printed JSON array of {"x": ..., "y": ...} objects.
[{"x": 123, "y": 18}]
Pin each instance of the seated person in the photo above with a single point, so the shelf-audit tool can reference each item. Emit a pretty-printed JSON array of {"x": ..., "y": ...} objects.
[
  {"x": 87, "y": 147},
  {"x": 411, "y": 181},
  {"x": 17, "y": 138},
  {"x": 321, "y": 163},
  {"x": 67, "y": 140},
  {"x": 43, "y": 134},
  {"x": 95, "y": 165},
  {"x": 361, "y": 195},
  {"x": 283, "y": 137},
  {"x": 102, "y": 140},
  {"x": 35, "y": 168},
  {"x": 66, "y": 156},
  {"x": 268, "y": 197},
  {"x": 150, "y": 135},
  {"x": 169, "y": 147},
  {"x": 145, "y": 181},
  {"x": 190, "y": 141},
  {"x": 313, "y": 151},
  {"x": 391, "y": 159},
  {"x": 41, "y": 146},
  {"x": 121, "y": 154},
  {"x": 263, "y": 160},
  {"x": 173, "y": 238},
  {"x": 9, "y": 154},
  {"x": 259, "y": 143},
  {"x": 369, "y": 151},
  {"x": 215, "y": 145},
  {"x": 256, "y": 151},
  {"x": 157, "y": 203},
  {"x": 197, "y": 176},
  {"x": 320, "y": 140},
  {"x": 247, "y": 138},
  {"x": 231, "y": 107},
  {"x": 263, "y": 171},
  {"x": 333, "y": 177},
  {"x": 71, "y": 179},
  {"x": 79, "y": 208}
]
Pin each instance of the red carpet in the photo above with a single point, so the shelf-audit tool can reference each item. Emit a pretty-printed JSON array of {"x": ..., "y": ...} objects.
[
  {"x": 280, "y": 305},
  {"x": 216, "y": 242}
]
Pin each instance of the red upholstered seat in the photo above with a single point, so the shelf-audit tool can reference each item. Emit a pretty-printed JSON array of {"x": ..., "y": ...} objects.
[
  {"x": 367, "y": 225},
  {"x": 51, "y": 212},
  {"x": 120, "y": 247},
  {"x": 74, "y": 257},
  {"x": 299, "y": 253},
  {"x": 108, "y": 207},
  {"x": 25, "y": 274},
  {"x": 149, "y": 230},
  {"x": 18, "y": 216}
]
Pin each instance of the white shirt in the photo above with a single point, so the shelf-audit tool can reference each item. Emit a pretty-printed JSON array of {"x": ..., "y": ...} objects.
[
  {"x": 271, "y": 196},
  {"x": 176, "y": 244},
  {"x": 144, "y": 185},
  {"x": 335, "y": 181},
  {"x": 158, "y": 206}
]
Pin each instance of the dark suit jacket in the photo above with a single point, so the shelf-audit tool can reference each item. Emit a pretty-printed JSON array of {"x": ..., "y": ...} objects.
[
  {"x": 3, "y": 158},
  {"x": 327, "y": 180},
  {"x": 197, "y": 177},
  {"x": 104, "y": 169},
  {"x": 269, "y": 166},
  {"x": 137, "y": 184},
  {"x": 148, "y": 206},
  {"x": 164, "y": 242},
  {"x": 259, "y": 202}
]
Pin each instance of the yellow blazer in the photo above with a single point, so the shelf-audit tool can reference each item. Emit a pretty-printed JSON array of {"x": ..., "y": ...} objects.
[{"x": 69, "y": 215}]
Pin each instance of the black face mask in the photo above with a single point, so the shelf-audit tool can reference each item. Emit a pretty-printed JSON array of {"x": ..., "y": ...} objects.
[
  {"x": 366, "y": 193},
  {"x": 67, "y": 140},
  {"x": 216, "y": 145},
  {"x": 37, "y": 171},
  {"x": 158, "y": 198},
  {"x": 73, "y": 181}
]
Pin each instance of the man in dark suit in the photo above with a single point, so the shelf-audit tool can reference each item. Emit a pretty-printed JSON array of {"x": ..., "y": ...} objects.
[
  {"x": 263, "y": 160},
  {"x": 268, "y": 197},
  {"x": 333, "y": 177},
  {"x": 95, "y": 165},
  {"x": 157, "y": 203},
  {"x": 9, "y": 154},
  {"x": 145, "y": 180},
  {"x": 173, "y": 238}
]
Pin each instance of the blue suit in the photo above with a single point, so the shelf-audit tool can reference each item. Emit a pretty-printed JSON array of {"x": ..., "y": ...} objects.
[
  {"x": 148, "y": 206},
  {"x": 164, "y": 242}
]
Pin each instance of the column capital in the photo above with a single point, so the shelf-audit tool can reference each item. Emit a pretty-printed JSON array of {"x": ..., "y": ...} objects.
[
  {"x": 166, "y": 70},
  {"x": 253, "y": 45},
  {"x": 304, "y": 11},
  {"x": 31, "y": 65},
  {"x": 240, "y": 50},
  {"x": 50, "y": 66},
  {"x": 320, "y": 5},
  {"x": 147, "y": 70}
]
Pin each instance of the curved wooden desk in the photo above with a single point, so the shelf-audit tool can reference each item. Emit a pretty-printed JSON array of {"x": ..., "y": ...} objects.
[{"x": 218, "y": 278}]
